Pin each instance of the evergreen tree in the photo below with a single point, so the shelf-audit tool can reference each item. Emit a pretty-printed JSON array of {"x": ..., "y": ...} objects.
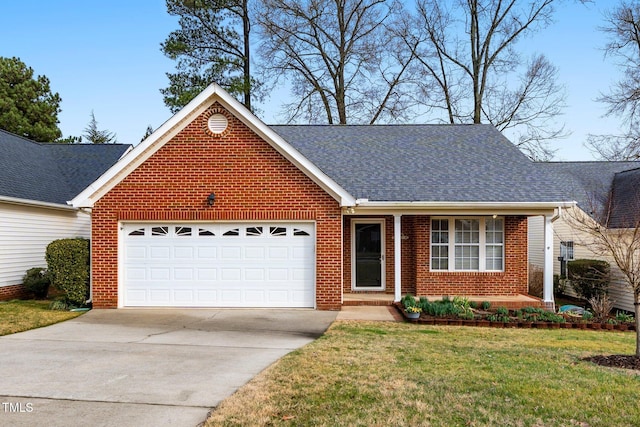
[{"x": 27, "y": 106}]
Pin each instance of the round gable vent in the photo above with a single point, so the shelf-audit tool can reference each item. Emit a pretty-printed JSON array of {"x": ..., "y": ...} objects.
[{"x": 218, "y": 123}]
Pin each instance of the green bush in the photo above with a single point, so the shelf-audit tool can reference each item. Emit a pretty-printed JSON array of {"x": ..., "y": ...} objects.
[
  {"x": 408, "y": 301},
  {"x": 589, "y": 277},
  {"x": 36, "y": 281},
  {"x": 68, "y": 261}
]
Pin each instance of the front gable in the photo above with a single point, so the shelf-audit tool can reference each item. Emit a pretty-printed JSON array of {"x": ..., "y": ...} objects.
[
  {"x": 247, "y": 176},
  {"x": 213, "y": 101}
]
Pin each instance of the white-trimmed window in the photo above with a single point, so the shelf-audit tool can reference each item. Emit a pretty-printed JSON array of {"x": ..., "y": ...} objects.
[
  {"x": 566, "y": 250},
  {"x": 477, "y": 244}
]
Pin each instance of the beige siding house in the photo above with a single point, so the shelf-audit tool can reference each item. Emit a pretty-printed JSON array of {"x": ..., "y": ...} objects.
[{"x": 590, "y": 184}]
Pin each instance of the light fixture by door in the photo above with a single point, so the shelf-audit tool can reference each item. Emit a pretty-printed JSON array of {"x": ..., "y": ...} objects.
[{"x": 211, "y": 198}]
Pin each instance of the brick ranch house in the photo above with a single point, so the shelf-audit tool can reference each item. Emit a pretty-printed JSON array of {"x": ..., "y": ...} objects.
[{"x": 217, "y": 209}]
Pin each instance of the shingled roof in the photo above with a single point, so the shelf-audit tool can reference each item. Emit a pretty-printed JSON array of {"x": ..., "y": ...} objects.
[
  {"x": 51, "y": 173},
  {"x": 447, "y": 163},
  {"x": 625, "y": 200},
  {"x": 590, "y": 184}
]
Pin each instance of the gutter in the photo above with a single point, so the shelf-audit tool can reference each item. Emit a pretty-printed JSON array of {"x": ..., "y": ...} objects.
[
  {"x": 440, "y": 207},
  {"x": 37, "y": 203}
]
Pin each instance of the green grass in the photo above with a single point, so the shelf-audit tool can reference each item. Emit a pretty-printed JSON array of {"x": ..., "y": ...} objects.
[
  {"x": 22, "y": 315},
  {"x": 368, "y": 374}
]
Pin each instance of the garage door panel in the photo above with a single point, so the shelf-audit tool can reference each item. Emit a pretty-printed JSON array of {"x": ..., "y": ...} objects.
[
  {"x": 160, "y": 295},
  {"x": 231, "y": 252},
  {"x": 207, "y": 253},
  {"x": 183, "y": 252},
  {"x": 136, "y": 252},
  {"x": 278, "y": 253},
  {"x": 207, "y": 273},
  {"x": 183, "y": 296},
  {"x": 136, "y": 295},
  {"x": 207, "y": 296},
  {"x": 219, "y": 265},
  {"x": 160, "y": 252},
  {"x": 254, "y": 253},
  {"x": 156, "y": 273},
  {"x": 254, "y": 274},
  {"x": 136, "y": 274},
  {"x": 183, "y": 274}
]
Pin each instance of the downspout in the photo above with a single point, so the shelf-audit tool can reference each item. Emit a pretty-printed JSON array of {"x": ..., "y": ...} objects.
[{"x": 89, "y": 211}]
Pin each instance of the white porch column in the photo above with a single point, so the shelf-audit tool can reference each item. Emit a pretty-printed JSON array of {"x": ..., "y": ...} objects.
[
  {"x": 548, "y": 263},
  {"x": 397, "y": 254}
]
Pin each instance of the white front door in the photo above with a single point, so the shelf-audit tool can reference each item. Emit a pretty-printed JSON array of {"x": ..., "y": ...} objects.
[{"x": 218, "y": 265}]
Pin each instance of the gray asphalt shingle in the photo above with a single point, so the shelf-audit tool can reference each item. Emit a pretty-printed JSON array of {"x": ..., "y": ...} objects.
[
  {"x": 53, "y": 173},
  {"x": 625, "y": 202},
  {"x": 448, "y": 163},
  {"x": 588, "y": 183}
]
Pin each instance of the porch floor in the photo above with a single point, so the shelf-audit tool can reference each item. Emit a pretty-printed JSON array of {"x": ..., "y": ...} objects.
[{"x": 511, "y": 302}]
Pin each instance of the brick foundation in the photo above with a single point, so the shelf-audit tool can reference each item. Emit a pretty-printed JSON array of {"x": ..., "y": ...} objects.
[{"x": 13, "y": 292}]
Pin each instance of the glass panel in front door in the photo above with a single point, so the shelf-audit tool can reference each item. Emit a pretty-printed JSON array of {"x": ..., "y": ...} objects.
[{"x": 368, "y": 256}]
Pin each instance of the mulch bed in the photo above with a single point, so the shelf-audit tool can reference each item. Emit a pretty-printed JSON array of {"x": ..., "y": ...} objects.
[{"x": 616, "y": 361}]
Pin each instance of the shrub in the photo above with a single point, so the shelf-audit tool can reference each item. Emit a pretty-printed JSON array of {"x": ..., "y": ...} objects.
[
  {"x": 68, "y": 261},
  {"x": 559, "y": 285},
  {"x": 589, "y": 277},
  {"x": 623, "y": 317},
  {"x": 502, "y": 311},
  {"x": 36, "y": 280},
  {"x": 601, "y": 306},
  {"x": 486, "y": 305},
  {"x": 536, "y": 281}
]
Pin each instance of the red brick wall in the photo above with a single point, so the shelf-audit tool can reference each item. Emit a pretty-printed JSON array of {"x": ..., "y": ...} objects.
[
  {"x": 418, "y": 280},
  {"x": 13, "y": 292},
  {"x": 407, "y": 253},
  {"x": 251, "y": 181},
  {"x": 512, "y": 281}
]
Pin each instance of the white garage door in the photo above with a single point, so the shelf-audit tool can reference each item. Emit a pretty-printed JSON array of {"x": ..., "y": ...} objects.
[{"x": 219, "y": 265}]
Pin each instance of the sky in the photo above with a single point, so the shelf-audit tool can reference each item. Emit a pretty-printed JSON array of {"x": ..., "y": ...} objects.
[{"x": 104, "y": 56}]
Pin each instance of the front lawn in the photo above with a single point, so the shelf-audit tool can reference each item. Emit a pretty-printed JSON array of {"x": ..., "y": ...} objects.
[
  {"x": 374, "y": 374},
  {"x": 22, "y": 315}
]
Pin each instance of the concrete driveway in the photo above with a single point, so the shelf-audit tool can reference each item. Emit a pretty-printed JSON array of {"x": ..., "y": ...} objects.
[{"x": 145, "y": 367}]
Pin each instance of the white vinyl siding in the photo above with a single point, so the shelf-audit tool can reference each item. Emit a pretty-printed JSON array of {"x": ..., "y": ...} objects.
[
  {"x": 25, "y": 233},
  {"x": 474, "y": 244},
  {"x": 536, "y": 241}
]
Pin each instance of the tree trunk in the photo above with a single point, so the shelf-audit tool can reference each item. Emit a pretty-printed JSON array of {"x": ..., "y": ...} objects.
[
  {"x": 246, "y": 27},
  {"x": 636, "y": 306}
]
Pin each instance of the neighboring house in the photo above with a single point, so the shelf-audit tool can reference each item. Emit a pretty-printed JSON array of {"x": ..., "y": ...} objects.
[
  {"x": 217, "y": 209},
  {"x": 36, "y": 181},
  {"x": 596, "y": 186}
]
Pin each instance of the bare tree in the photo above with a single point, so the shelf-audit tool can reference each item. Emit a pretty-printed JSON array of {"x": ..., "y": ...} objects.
[
  {"x": 474, "y": 73},
  {"x": 341, "y": 59},
  {"x": 623, "y": 100},
  {"x": 618, "y": 240}
]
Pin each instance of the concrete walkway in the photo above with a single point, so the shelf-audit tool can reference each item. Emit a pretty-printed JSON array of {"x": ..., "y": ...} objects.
[
  {"x": 143, "y": 367},
  {"x": 373, "y": 313}
]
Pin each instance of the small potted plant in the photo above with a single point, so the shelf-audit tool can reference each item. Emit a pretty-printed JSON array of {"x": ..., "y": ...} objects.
[
  {"x": 413, "y": 312},
  {"x": 411, "y": 307}
]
